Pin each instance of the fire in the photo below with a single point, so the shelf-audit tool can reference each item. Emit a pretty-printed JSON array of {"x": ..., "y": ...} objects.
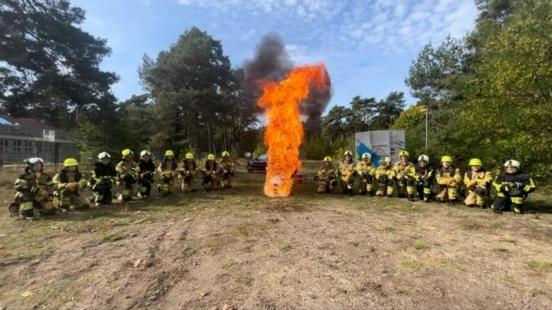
[{"x": 284, "y": 132}]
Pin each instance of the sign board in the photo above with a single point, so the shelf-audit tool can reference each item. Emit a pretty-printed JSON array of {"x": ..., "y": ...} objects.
[
  {"x": 380, "y": 143},
  {"x": 49, "y": 135}
]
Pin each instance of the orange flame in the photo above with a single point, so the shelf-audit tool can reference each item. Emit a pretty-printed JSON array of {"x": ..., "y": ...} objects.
[{"x": 284, "y": 132}]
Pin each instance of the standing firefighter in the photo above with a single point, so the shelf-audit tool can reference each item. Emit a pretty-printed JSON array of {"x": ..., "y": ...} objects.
[
  {"x": 69, "y": 182},
  {"x": 226, "y": 170},
  {"x": 326, "y": 176},
  {"x": 512, "y": 188},
  {"x": 404, "y": 169},
  {"x": 478, "y": 183},
  {"x": 448, "y": 178},
  {"x": 127, "y": 175},
  {"x": 147, "y": 171},
  {"x": 188, "y": 172},
  {"x": 210, "y": 170},
  {"x": 385, "y": 178},
  {"x": 347, "y": 173},
  {"x": 34, "y": 190},
  {"x": 168, "y": 171},
  {"x": 366, "y": 172},
  {"x": 102, "y": 178},
  {"x": 422, "y": 178}
]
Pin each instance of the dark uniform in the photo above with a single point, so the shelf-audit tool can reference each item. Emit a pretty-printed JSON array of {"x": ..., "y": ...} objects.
[
  {"x": 145, "y": 179},
  {"x": 512, "y": 190},
  {"x": 102, "y": 178}
]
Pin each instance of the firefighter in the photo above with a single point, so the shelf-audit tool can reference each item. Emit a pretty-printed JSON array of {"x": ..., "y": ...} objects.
[
  {"x": 512, "y": 188},
  {"x": 366, "y": 172},
  {"x": 69, "y": 181},
  {"x": 188, "y": 171},
  {"x": 421, "y": 178},
  {"x": 168, "y": 171},
  {"x": 448, "y": 178},
  {"x": 209, "y": 171},
  {"x": 347, "y": 173},
  {"x": 127, "y": 175},
  {"x": 34, "y": 191},
  {"x": 385, "y": 178},
  {"x": 147, "y": 172},
  {"x": 478, "y": 183},
  {"x": 404, "y": 169},
  {"x": 102, "y": 178},
  {"x": 226, "y": 171},
  {"x": 326, "y": 176}
]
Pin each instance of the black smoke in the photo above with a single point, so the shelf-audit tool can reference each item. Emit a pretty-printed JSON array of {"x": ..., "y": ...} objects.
[{"x": 271, "y": 62}]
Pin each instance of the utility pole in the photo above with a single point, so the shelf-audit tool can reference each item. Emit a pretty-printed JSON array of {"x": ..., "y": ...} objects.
[{"x": 426, "y": 125}]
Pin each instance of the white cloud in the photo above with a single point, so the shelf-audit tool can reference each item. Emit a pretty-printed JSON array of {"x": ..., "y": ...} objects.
[{"x": 388, "y": 25}]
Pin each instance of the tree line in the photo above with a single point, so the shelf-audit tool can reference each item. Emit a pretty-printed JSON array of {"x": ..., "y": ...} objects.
[{"x": 488, "y": 93}]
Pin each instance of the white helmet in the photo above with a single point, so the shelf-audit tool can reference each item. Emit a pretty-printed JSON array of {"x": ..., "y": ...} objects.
[
  {"x": 366, "y": 155},
  {"x": 348, "y": 153},
  {"x": 424, "y": 158},
  {"x": 512, "y": 163},
  {"x": 145, "y": 153},
  {"x": 386, "y": 159},
  {"x": 34, "y": 161},
  {"x": 103, "y": 155}
]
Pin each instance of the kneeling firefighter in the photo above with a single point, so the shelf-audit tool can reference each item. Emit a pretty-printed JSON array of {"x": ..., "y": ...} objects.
[
  {"x": 512, "y": 188},
  {"x": 326, "y": 176},
  {"x": 385, "y": 178},
  {"x": 147, "y": 171},
  {"x": 366, "y": 172},
  {"x": 226, "y": 170},
  {"x": 102, "y": 178},
  {"x": 168, "y": 171},
  {"x": 127, "y": 175},
  {"x": 69, "y": 181},
  {"x": 478, "y": 183},
  {"x": 34, "y": 190},
  {"x": 347, "y": 173}
]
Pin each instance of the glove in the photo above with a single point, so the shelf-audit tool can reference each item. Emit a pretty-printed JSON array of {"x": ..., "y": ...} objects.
[
  {"x": 480, "y": 191},
  {"x": 82, "y": 184},
  {"x": 73, "y": 186},
  {"x": 504, "y": 188}
]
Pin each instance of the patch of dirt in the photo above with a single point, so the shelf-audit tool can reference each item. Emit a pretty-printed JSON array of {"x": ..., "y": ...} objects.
[{"x": 332, "y": 252}]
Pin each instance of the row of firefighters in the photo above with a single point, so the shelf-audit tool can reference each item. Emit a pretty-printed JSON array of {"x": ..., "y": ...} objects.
[
  {"x": 36, "y": 191},
  {"x": 420, "y": 181}
]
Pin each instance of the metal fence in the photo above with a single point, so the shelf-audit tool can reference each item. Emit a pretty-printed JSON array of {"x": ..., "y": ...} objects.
[{"x": 14, "y": 151}]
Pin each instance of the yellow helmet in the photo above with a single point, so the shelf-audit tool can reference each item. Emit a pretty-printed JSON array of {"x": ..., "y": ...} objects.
[
  {"x": 225, "y": 153},
  {"x": 127, "y": 152},
  {"x": 446, "y": 158},
  {"x": 189, "y": 155},
  {"x": 70, "y": 162},
  {"x": 404, "y": 153},
  {"x": 327, "y": 158},
  {"x": 169, "y": 153},
  {"x": 475, "y": 162},
  {"x": 211, "y": 157}
]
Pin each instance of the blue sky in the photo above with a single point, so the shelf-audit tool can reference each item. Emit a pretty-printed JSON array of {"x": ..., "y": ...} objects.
[{"x": 367, "y": 45}]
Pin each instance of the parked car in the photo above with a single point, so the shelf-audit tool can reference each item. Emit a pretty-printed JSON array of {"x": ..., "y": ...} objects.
[{"x": 257, "y": 164}]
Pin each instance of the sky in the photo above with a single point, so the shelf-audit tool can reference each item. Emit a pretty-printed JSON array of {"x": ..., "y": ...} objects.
[{"x": 367, "y": 45}]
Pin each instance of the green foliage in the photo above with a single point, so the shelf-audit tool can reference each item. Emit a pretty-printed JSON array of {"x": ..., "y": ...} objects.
[
  {"x": 196, "y": 95},
  {"x": 49, "y": 66},
  {"x": 341, "y": 123},
  {"x": 490, "y": 96}
]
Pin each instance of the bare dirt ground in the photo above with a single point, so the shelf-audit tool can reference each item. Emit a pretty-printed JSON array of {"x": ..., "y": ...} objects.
[{"x": 240, "y": 250}]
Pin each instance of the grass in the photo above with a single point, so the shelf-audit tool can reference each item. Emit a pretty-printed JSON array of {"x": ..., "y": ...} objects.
[
  {"x": 421, "y": 245},
  {"x": 540, "y": 266},
  {"x": 412, "y": 265},
  {"x": 286, "y": 247},
  {"x": 354, "y": 243},
  {"x": 244, "y": 280},
  {"x": 112, "y": 237}
]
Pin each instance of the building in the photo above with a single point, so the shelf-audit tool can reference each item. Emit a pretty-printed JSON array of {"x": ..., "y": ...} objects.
[{"x": 21, "y": 138}]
